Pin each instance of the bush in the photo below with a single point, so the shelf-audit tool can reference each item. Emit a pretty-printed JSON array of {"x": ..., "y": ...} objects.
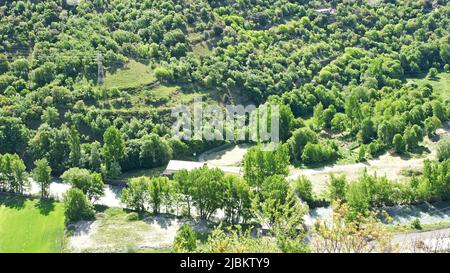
[
  {"x": 432, "y": 73},
  {"x": 303, "y": 189},
  {"x": 300, "y": 138},
  {"x": 431, "y": 124},
  {"x": 443, "y": 149},
  {"x": 362, "y": 153},
  {"x": 399, "y": 144},
  {"x": 163, "y": 74},
  {"x": 89, "y": 183},
  {"x": 415, "y": 224},
  {"x": 336, "y": 187},
  {"x": 318, "y": 153},
  {"x": 186, "y": 239},
  {"x": 132, "y": 216},
  {"x": 357, "y": 198},
  {"x": 77, "y": 207}
]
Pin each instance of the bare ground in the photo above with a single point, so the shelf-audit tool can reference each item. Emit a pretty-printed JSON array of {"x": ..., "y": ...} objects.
[
  {"x": 114, "y": 233},
  {"x": 230, "y": 156},
  {"x": 428, "y": 241},
  {"x": 391, "y": 165}
]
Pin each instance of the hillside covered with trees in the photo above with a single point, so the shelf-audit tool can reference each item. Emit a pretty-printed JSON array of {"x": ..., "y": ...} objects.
[
  {"x": 345, "y": 63},
  {"x": 87, "y": 88}
]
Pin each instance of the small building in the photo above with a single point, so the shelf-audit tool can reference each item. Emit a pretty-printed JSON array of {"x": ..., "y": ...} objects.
[
  {"x": 177, "y": 165},
  {"x": 326, "y": 10}
]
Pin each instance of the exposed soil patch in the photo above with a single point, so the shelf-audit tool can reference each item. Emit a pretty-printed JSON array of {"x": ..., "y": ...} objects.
[
  {"x": 392, "y": 166},
  {"x": 115, "y": 233}
]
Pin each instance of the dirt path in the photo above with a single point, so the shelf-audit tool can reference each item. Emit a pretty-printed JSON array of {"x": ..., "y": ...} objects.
[
  {"x": 428, "y": 241},
  {"x": 388, "y": 164}
]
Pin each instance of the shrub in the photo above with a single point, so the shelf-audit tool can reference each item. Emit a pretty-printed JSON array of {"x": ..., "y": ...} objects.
[
  {"x": 443, "y": 149},
  {"x": 336, "y": 187},
  {"x": 303, "y": 189},
  {"x": 185, "y": 240},
  {"x": 132, "y": 216},
  {"x": 358, "y": 199},
  {"x": 77, "y": 207},
  {"x": 415, "y": 224},
  {"x": 432, "y": 73},
  {"x": 375, "y": 148},
  {"x": 362, "y": 153},
  {"x": 163, "y": 74},
  {"x": 318, "y": 153},
  {"x": 399, "y": 144}
]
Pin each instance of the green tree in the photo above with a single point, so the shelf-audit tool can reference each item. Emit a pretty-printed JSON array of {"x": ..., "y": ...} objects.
[
  {"x": 288, "y": 226},
  {"x": 318, "y": 115},
  {"x": 298, "y": 141},
  {"x": 443, "y": 149},
  {"x": 136, "y": 195},
  {"x": 185, "y": 240},
  {"x": 362, "y": 153},
  {"x": 4, "y": 64},
  {"x": 113, "y": 151},
  {"x": 358, "y": 199},
  {"x": 432, "y": 73},
  {"x": 50, "y": 116},
  {"x": 42, "y": 175},
  {"x": 286, "y": 122},
  {"x": 386, "y": 132},
  {"x": 303, "y": 189},
  {"x": 76, "y": 206},
  {"x": 237, "y": 199},
  {"x": 337, "y": 187},
  {"x": 158, "y": 186},
  {"x": 207, "y": 190},
  {"x": 439, "y": 110},
  {"x": 367, "y": 132},
  {"x": 273, "y": 195},
  {"x": 327, "y": 116},
  {"x": 163, "y": 74},
  {"x": 14, "y": 135},
  {"x": 75, "y": 147},
  {"x": 399, "y": 144},
  {"x": 154, "y": 151},
  {"x": 95, "y": 160},
  {"x": 183, "y": 187},
  {"x": 19, "y": 175},
  {"x": 412, "y": 136},
  {"x": 259, "y": 164},
  {"x": 97, "y": 188},
  {"x": 91, "y": 184},
  {"x": 431, "y": 124}
]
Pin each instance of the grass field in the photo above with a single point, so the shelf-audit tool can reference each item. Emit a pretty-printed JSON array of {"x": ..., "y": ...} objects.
[
  {"x": 144, "y": 172},
  {"x": 133, "y": 75},
  {"x": 441, "y": 84},
  {"x": 30, "y": 225}
]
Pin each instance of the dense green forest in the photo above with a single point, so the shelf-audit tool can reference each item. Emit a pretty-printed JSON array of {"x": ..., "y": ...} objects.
[
  {"x": 342, "y": 65},
  {"x": 87, "y": 89}
]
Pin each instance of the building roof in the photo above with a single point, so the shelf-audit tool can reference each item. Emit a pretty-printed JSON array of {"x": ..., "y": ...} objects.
[{"x": 326, "y": 10}]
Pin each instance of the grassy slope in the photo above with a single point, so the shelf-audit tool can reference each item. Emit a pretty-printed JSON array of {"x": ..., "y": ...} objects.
[
  {"x": 30, "y": 226},
  {"x": 441, "y": 85},
  {"x": 133, "y": 75}
]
